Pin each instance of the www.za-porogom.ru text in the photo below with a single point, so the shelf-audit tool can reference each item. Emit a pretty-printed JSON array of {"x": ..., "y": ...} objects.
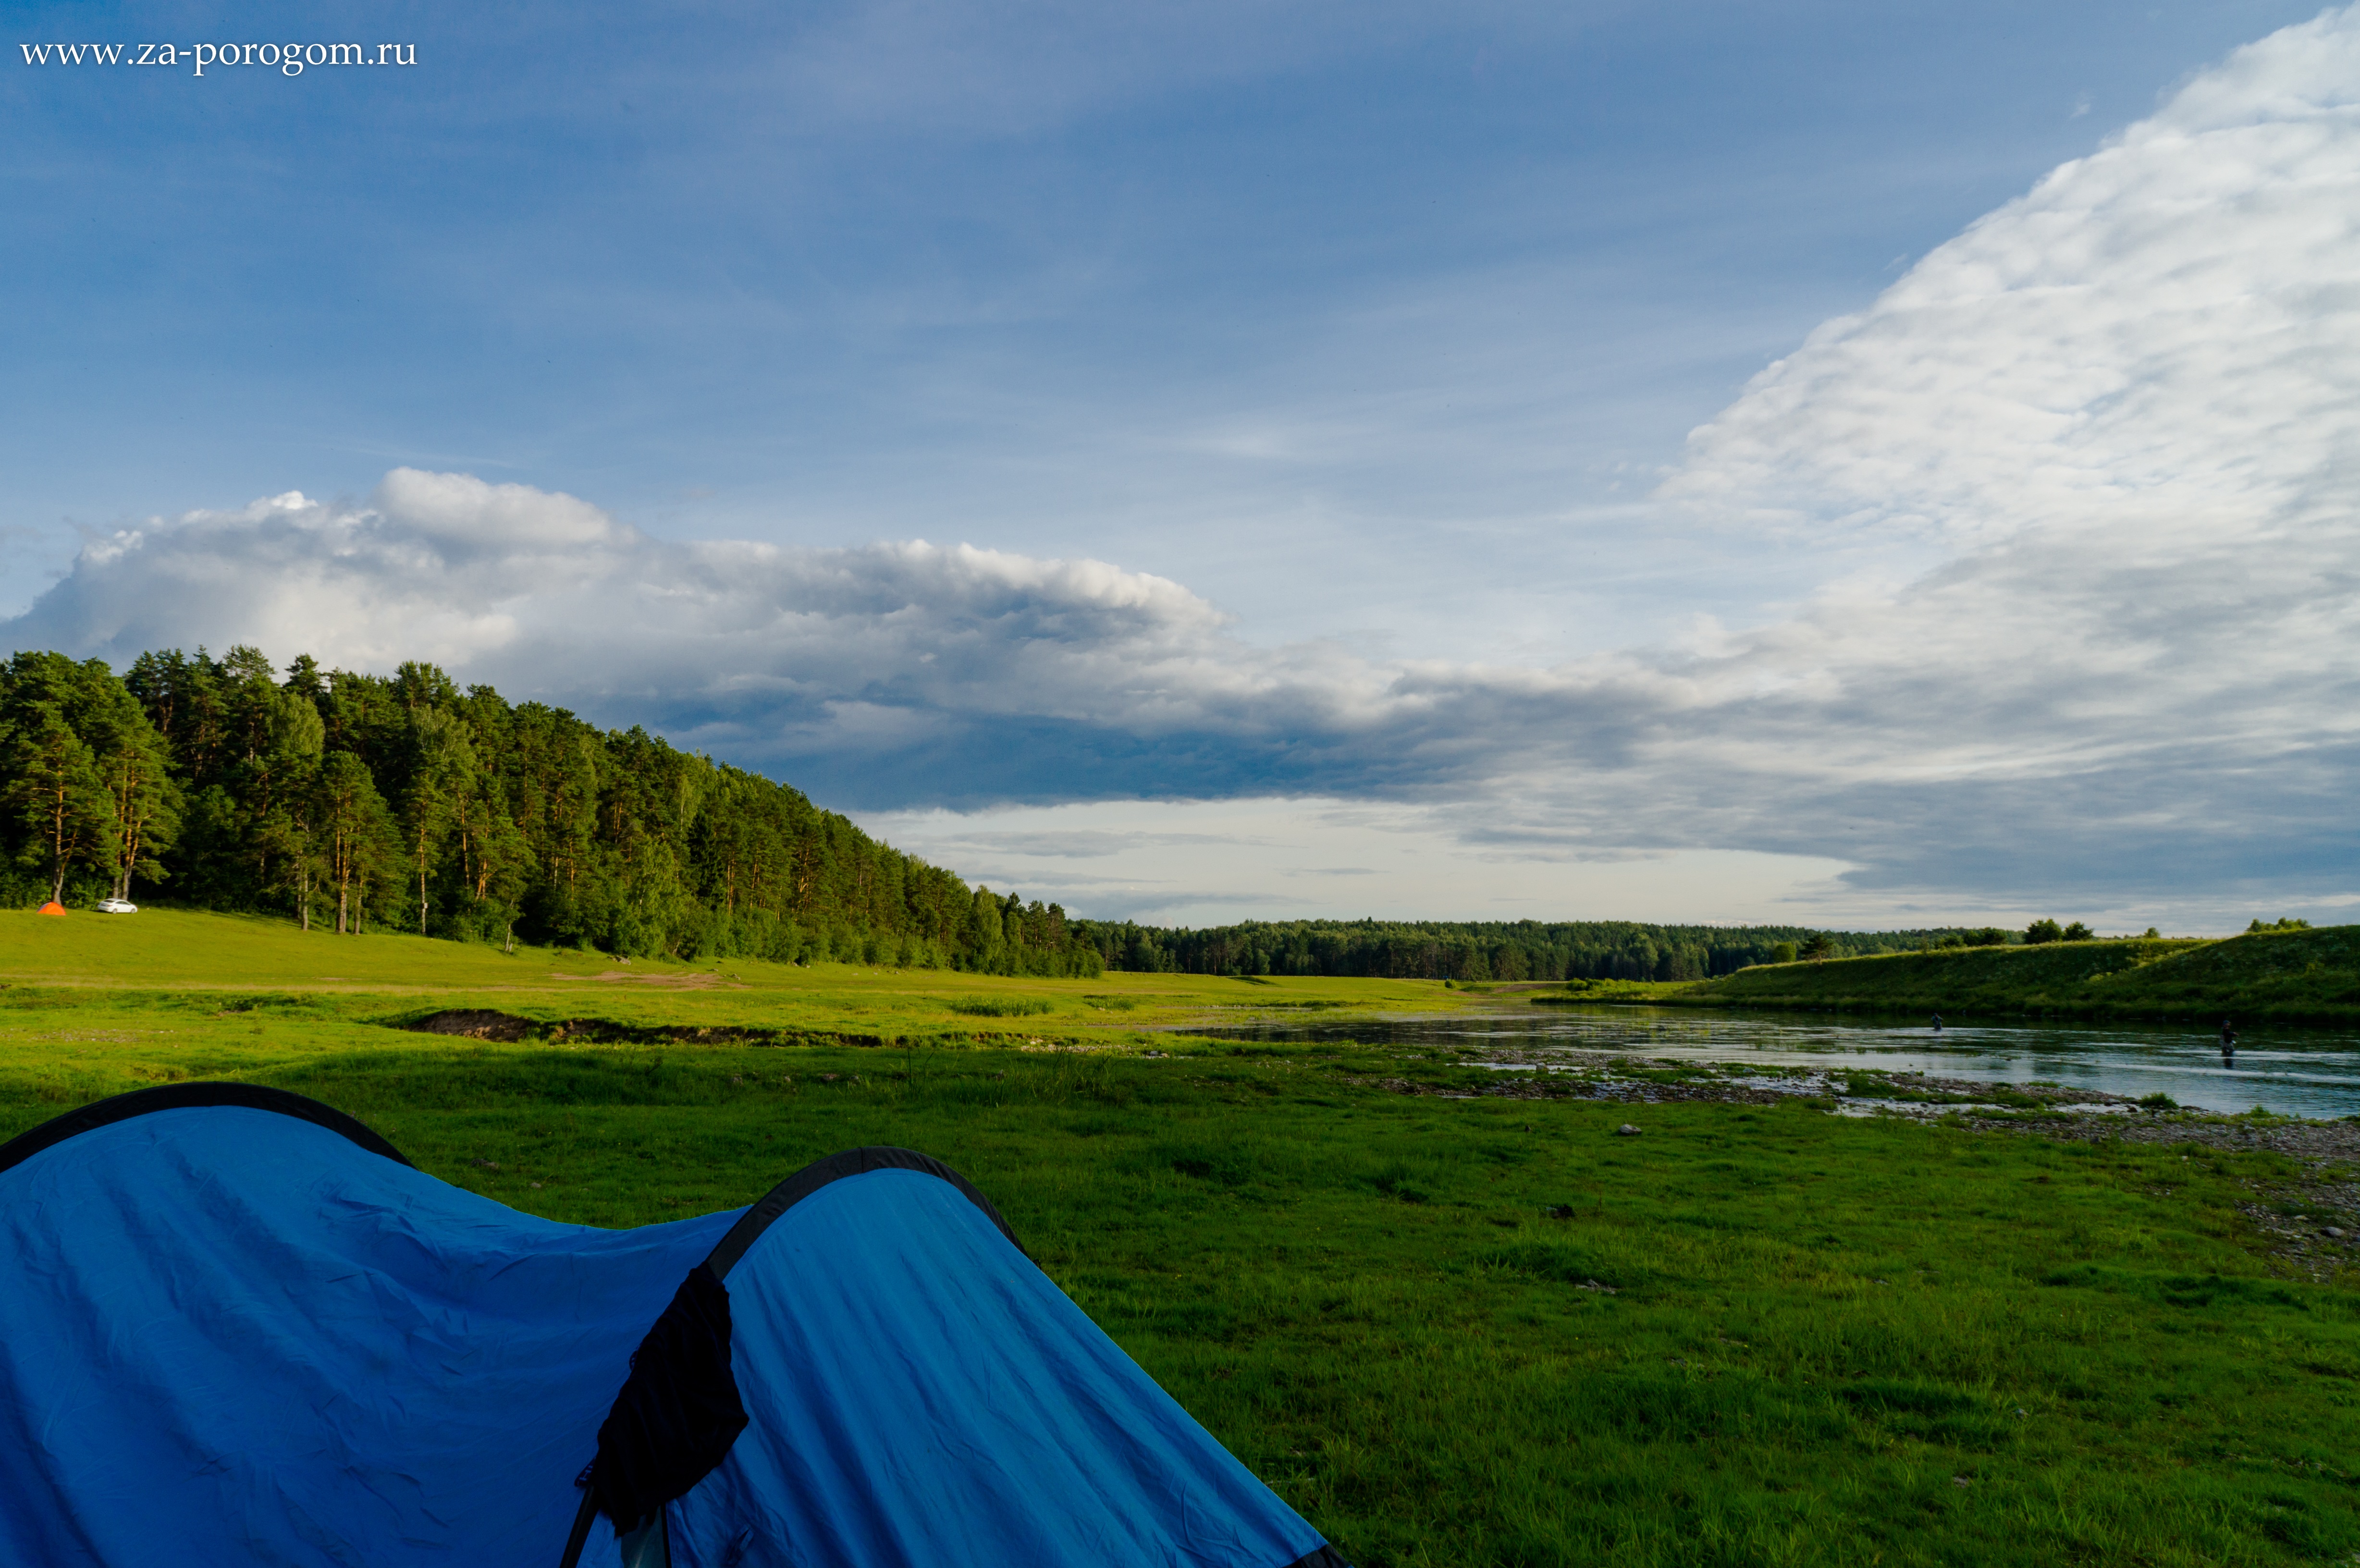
[{"x": 289, "y": 59}]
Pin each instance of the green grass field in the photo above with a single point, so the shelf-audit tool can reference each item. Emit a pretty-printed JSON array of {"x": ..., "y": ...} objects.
[
  {"x": 1451, "y": 1330},
  {"x": 2288, "y": 976}
]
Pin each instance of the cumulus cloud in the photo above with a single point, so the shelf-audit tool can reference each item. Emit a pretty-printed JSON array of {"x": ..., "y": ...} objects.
[
  {"x": 903, "y": 650},
  {"x": 2090, "y": 466}
]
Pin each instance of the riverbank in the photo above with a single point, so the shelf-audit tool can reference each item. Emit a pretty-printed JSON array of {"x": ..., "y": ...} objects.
[
  {"x": 2297, "y": 976},
  {"x": 2324, "y": 1183}
]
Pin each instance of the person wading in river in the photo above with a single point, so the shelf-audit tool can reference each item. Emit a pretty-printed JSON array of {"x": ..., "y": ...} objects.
[{"x": 2228, "y": 1041}]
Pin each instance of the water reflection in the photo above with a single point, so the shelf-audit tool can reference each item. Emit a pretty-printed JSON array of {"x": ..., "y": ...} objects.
[{"x": 2296, "y": 1072}]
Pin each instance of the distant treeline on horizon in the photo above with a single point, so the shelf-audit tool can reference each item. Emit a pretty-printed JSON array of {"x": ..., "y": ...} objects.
[
  {"x": 1490, "y": 949},
  {"x": 364, "y": 802}
]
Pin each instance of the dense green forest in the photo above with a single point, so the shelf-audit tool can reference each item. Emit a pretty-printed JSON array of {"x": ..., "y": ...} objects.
[
  {"x": 1493, "y": 950},
  {"x": 353, "y": 802}
]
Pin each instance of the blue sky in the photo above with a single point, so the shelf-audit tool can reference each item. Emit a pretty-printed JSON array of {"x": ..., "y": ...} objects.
[
  {"x": 1375, "y": 330},
  {"x": 825, "y": 274}
]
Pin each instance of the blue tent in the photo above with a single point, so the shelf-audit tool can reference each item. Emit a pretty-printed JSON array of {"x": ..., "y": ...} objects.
[{"x": 237, "y": 1327}]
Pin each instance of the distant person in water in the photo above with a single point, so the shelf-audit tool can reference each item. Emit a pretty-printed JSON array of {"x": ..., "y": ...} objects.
[
  {"x": 2228, "y": 1039},
  {"x": 1937, "y": 1023}
]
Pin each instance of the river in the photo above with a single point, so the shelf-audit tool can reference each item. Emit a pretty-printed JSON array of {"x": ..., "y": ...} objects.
[{"x": 2293, "y": 1072}]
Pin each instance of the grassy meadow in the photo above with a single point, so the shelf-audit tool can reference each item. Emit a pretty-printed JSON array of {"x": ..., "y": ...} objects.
[
  {"x": 1452, "y": 1326},
  {"x": 2291, "y": 976}
]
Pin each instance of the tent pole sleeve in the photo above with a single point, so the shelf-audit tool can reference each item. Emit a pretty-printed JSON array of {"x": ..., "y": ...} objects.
[
  {"x": 819, "y": 1173},
  {"x": 581, "y": 1535}
]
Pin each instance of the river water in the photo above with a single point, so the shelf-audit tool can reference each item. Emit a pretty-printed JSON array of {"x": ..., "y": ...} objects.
[{"x": 2293, "y": 1072}]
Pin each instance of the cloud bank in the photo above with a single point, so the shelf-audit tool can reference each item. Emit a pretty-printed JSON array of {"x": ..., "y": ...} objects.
[{"x": 2090, "y": 466}]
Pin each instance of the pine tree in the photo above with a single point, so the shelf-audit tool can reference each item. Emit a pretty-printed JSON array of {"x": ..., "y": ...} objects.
[
  {"x": 55, "y": 796},
  {"x": 356, "y": 832},
  {"x": 133, "y": 766}
]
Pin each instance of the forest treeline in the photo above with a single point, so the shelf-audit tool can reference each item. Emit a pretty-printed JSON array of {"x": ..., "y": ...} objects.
[
  {"x": 357, "y": 803},
  {"x": 1483, "y": 950}
]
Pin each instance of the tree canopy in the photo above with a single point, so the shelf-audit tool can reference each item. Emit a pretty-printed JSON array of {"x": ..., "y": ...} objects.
[
  {"x": 1478, "y": 950},
  {"x": 362, "y": 802}
]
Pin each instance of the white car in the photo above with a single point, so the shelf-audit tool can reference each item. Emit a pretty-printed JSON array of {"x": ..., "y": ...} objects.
[{"x": 117, "y": 907}]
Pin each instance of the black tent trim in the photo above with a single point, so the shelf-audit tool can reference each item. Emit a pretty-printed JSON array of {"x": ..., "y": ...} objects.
[
  {"x": 182, "y": 1096},
  {"x": 678, "y": 1412},
  {"x": 834, "y": 1168}
]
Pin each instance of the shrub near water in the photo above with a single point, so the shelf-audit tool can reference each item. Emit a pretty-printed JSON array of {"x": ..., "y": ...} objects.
[{"x": 999, "y": 1006}]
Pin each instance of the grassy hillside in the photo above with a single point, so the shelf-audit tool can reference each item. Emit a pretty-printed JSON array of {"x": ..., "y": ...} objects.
[
  {"x": 184, "y": 960},
  {"x": 2296, "y": 976},
  {"x": 1451, "y": 1327}
]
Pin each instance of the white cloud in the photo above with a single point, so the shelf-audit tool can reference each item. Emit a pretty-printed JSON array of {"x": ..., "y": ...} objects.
[
  {"x": 2089, "y": 471},
  {"x": 785, "y": 649},
  {"x": 466, "y": 518},
  {"x": 2156, "y": 338},
  {"x": 2118, "y": 409}
]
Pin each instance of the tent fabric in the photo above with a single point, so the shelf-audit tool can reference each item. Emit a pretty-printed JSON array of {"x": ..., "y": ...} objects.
[{"x": 239, "y": 1332}]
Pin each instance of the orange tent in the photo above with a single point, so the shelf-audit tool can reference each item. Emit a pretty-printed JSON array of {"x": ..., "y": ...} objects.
[{"x": 53, "y": 907}]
